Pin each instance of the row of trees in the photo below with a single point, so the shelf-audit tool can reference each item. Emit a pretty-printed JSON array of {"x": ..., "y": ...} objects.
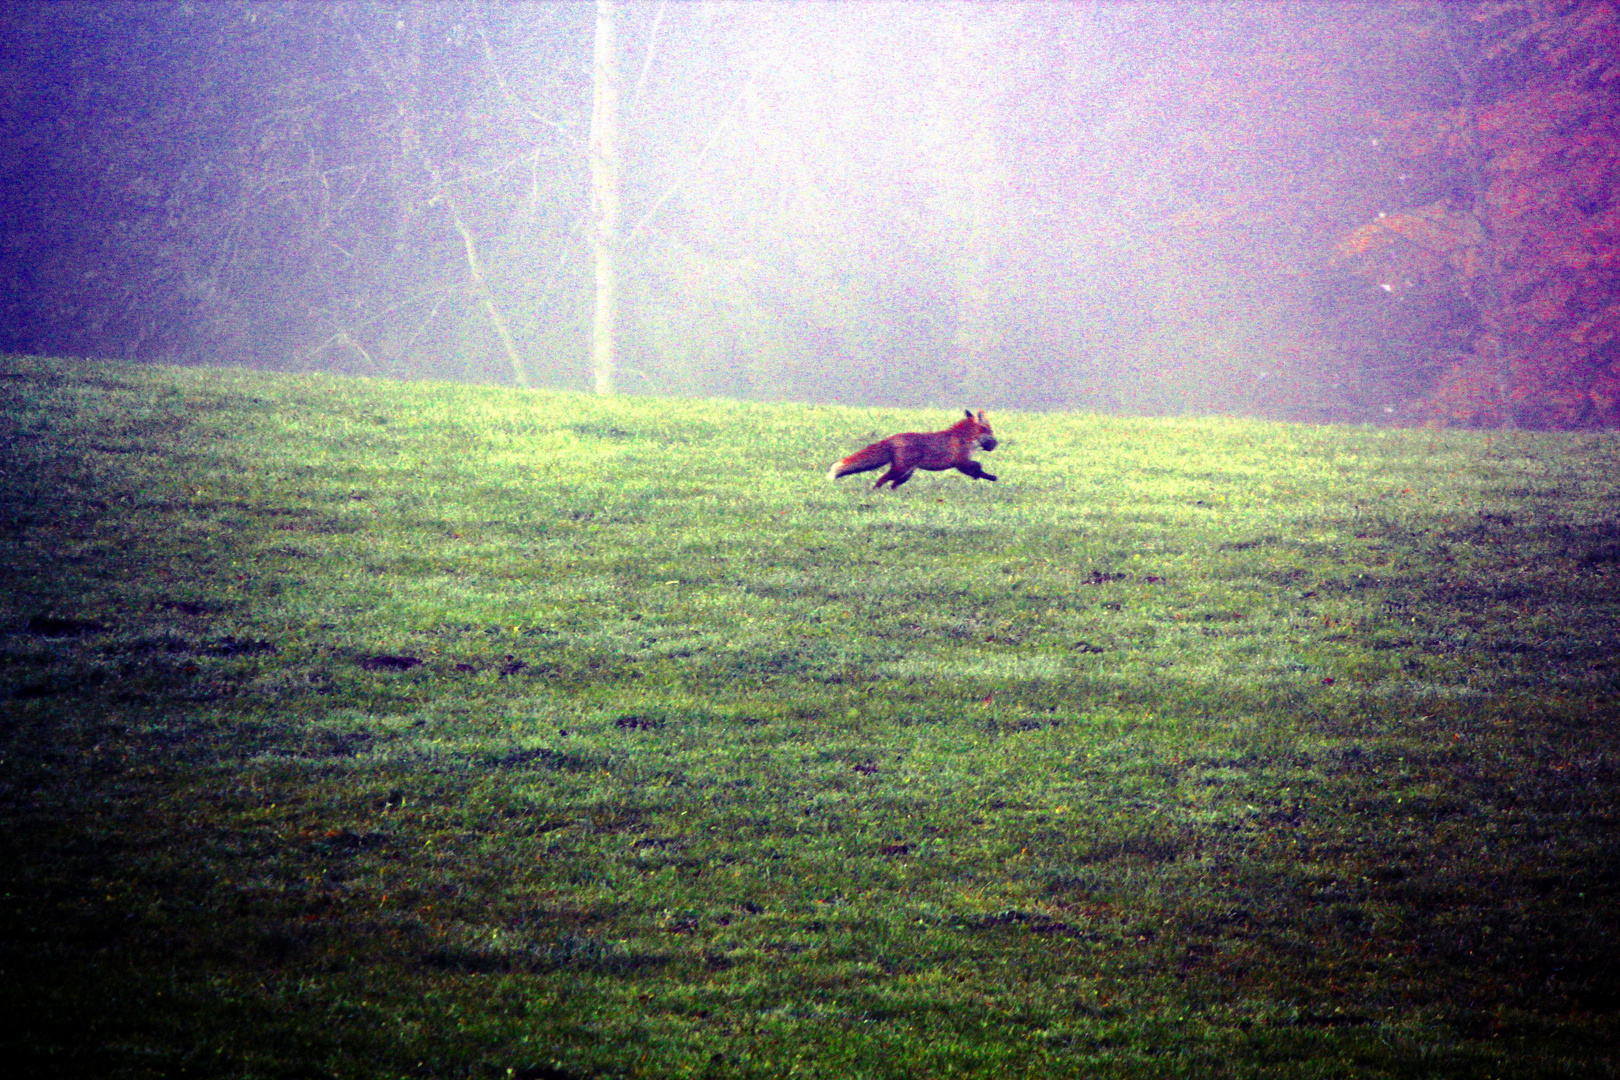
[{"x": 1362, "y": 212}]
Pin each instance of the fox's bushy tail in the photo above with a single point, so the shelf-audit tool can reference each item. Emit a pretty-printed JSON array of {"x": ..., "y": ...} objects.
[{"x": 875, "y": 456}]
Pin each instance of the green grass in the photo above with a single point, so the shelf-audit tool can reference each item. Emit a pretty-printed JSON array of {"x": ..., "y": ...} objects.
[{"x": 365, "y": 729}]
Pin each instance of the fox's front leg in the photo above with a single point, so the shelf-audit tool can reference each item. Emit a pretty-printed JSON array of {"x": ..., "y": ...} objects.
[{"x": 973, "y": 468}]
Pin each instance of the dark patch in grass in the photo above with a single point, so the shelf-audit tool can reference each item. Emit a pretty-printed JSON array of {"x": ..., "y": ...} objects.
[
  {"x": 1034, "y": 922},
  {"x": 1328, "y": 1020},
  {"x": 338, "y": 843},
  {"x": 1019, "y": 727},
  {"x": 284, "y": 944},
  {"x": 572, "y": 952},
  {"x": 390, "y": 663},
  {"x": 1357, "y": 583},
  {"x": 1593, "y": 981},
  {"x": 184, "y": 607},
  {"x": 230, "y": 645},
  {"x": 475, "y": 961},
  {"x": 1603, "y": 553},
  {"x": 288, "y": 552},
  {"x": 1353, "y": 758},
  {"x": 35, "y": 689},
  {"x": 545, "y": 758},
  {"x": 547, "y": 1072},
  {"x": 344, "y": 744},
  {"x": 1153, "y": 849},
  {"x": 600, "y": 431},
  {"x": 813, "y": 660},
  {"x": 325, "y": 526},
  {"x": 55, "y": 627},
  {"x": 1248, "y": 545},
  {"x": 635, "y": 722}
]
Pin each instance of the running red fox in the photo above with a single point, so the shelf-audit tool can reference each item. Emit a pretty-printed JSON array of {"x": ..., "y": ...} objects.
[{"x": 932, "y": 450}]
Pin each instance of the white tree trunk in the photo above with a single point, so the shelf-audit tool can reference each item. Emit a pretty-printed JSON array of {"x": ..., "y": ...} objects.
[
  {"x": 973, "y": 200},
  {"x": 604, "y": 153}
]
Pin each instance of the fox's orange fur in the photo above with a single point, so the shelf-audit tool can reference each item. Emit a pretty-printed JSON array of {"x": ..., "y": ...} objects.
[{"x": 932, "y": 450}]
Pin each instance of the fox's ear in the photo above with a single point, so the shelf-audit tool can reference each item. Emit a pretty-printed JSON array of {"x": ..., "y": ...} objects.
[
  {"x": 982, "y": 420},
  {"x": 968, "y": 413}
]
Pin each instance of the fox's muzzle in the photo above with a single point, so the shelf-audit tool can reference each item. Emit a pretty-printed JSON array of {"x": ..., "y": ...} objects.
[{"x": 987, "y": 443}]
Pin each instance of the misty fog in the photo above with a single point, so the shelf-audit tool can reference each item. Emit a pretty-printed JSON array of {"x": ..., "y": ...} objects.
[{"x": 1308, "y": 212}]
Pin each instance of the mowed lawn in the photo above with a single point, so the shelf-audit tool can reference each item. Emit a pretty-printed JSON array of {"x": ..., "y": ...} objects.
[{"x": 369, "y": 729}]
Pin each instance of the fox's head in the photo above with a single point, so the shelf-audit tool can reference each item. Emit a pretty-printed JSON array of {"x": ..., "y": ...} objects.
[{"x": 987, "y": 441}]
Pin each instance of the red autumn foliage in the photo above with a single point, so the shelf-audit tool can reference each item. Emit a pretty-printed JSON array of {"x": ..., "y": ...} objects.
[{"x": 1531, "y": 236}]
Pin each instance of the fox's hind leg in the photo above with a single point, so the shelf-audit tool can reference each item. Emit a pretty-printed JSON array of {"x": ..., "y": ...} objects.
[{"x": 894, "y": 477}]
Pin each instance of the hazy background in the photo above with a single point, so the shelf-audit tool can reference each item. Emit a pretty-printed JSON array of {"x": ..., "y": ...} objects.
[{"x": 1322, "y": 212}]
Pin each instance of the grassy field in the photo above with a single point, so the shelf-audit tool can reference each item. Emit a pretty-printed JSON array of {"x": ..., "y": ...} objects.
[{"x": 365, "y": 729}]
